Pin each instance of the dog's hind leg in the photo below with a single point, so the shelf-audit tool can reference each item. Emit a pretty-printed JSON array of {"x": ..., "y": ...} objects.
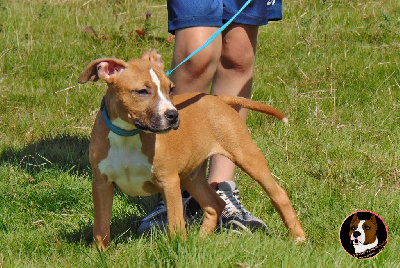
[{"x": 250, "y": 159}]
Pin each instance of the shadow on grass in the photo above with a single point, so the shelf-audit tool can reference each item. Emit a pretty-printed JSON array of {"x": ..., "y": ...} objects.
[
  {"x": 122, "y": 228},
  {"x": 71, "y": 154},
  {"x": 67, "y": 153}
]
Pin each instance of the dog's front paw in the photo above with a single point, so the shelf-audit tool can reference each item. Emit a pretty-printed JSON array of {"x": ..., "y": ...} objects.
[{"x": 300, "y": 240}]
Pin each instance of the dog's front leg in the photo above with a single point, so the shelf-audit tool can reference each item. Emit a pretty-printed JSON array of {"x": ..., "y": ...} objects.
[
  {"x": 102, "y": 192},
  {"x": 171, "y": 192}
]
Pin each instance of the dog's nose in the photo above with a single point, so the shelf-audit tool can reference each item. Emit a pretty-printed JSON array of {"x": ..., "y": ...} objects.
[
  {"x": 356, "y": 234},
  {"x": 172, "y": 117}
]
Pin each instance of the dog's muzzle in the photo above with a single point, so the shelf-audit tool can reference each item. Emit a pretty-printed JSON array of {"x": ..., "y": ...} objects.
[{"x": 172, "y": 117}]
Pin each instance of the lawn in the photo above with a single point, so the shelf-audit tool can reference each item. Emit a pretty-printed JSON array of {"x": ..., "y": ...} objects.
[{"x": 332, "y": 66}]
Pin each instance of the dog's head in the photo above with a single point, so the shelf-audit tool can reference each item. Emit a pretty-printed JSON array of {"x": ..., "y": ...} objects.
[
  {"x": 363, "y": 232},
  {"x": 138, "y": 92}
]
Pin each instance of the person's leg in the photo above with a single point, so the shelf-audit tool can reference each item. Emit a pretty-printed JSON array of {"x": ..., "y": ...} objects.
[
  {"x": 233, "y": 77},
  {"x": 196, "y": 74}
]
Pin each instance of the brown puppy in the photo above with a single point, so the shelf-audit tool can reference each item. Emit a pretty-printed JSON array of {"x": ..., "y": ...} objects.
[{"x": 175, "y": 138}]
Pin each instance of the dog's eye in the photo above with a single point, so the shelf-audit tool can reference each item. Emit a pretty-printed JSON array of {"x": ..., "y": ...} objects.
[
  {"x": 352, "y": 228},
  {"x": 142, "y": 92},
  {"x": 171, "y": 91},
  {"x": 367, "y": 227}
]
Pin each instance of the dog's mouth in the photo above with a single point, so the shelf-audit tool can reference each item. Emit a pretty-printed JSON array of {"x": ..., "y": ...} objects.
[
  {"x": 155, "y": 129},
  {"x": 355, "y": 241},
  {"x": 157, "y": 122}
]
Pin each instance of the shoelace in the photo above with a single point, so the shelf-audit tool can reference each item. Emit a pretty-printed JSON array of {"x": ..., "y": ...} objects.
[
  {"x": 233, "y": 204},
  {"x": 160, "y": 207}
]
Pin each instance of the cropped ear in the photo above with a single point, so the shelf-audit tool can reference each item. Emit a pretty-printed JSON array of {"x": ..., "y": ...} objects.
[
  {"x": 373, "y": 219},
  {"x": 153, "y": 56},
  {"x": 355, "y": 217},
  {"x": 106, "y": 69}
]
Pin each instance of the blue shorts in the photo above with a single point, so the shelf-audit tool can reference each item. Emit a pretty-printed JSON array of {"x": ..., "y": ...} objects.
[{"x": 213, "y": 13}]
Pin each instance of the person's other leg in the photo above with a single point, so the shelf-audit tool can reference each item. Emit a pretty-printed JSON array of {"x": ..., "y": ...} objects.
[{"x": 234, "y": 76}]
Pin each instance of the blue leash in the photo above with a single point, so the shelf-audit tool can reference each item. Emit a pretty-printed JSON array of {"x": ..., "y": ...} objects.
[{"x": 212, "y": 37}]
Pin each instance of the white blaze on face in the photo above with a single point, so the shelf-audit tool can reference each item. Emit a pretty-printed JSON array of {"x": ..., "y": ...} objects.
[
  {"x": 164, "y": 104},
  {"x": 359, "y": 245},
  {"x": 361, "y": 238}
]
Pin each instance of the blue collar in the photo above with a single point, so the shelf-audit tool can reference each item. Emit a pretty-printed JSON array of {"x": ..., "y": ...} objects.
[{"x": 117, "y": 130}]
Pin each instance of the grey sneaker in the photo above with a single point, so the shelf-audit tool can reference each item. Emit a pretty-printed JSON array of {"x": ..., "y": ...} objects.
[
  {"x": 157, "y": 219},
  {"x": 234, "y": 215}
]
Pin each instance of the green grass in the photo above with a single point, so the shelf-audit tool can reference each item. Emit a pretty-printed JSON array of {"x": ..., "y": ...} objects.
[{"x": 333, "y": 66}]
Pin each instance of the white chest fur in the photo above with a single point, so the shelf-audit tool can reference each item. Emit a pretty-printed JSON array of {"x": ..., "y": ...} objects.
[{"x": 126, "y": 165}]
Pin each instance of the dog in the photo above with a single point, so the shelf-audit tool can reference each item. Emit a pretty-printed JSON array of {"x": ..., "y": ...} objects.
[
  {"x": 175, "y": 135},
  {"x": 363, "y": 233}
]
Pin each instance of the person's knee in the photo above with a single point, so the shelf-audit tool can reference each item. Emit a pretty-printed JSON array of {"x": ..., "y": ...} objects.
[
  {"x": 202, "y": 64},
  {"x": 239, "y": 48},
  {"x": 237, "y": 58}
]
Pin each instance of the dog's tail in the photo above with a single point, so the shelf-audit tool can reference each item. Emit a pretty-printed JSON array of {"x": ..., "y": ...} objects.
[{"x": 253, "y": 105}]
